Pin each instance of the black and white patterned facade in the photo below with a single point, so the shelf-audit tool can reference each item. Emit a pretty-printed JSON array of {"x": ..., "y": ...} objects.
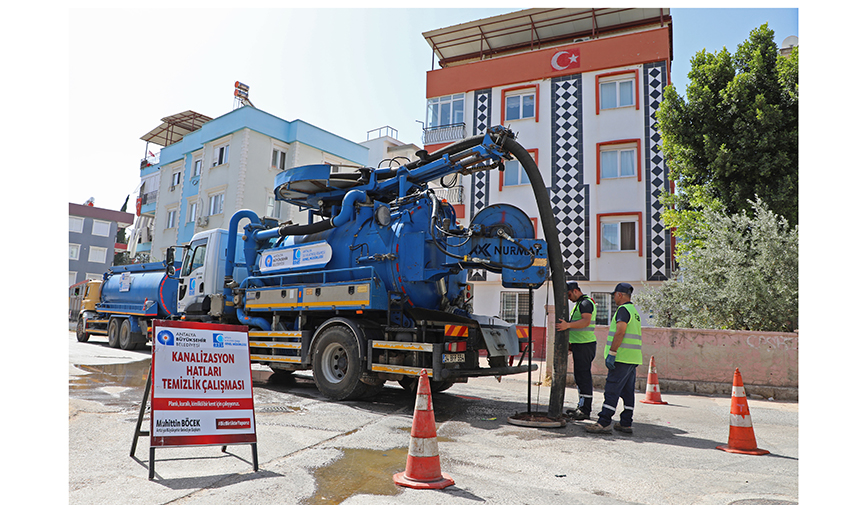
[
  {"x": 657, "y": 238},
  {"x": 481, "y": 180},
  {"x": 569, "y": 194}
]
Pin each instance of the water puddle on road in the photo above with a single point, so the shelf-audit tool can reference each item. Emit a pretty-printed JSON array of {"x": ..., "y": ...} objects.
[
  {"x": 130, "y": 375},
  {"x": 115, "y": 384},
  {"x": 358, "y": 471}
]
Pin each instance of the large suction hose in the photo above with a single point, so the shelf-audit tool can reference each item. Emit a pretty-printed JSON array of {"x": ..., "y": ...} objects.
[{"x": 556, "y": 265}]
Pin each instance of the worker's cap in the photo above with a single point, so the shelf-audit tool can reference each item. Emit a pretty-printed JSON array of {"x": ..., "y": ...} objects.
[
  {"x": 572, "y": 285},
  {"x": 623, "y": 287}
]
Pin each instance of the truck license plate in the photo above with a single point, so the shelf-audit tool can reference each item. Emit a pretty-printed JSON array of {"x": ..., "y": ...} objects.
[{"x": 454, "y": 358}]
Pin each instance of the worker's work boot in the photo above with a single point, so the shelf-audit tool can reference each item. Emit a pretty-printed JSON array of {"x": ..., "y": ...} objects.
[
  {"x": 577, "y": 414},
  {"x": 599, "y": 429},
  {"x": 624, "y": 429}
]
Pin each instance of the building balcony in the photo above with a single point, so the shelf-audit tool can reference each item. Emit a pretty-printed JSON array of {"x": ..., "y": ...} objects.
[
  {"x": 444, "y": 133},
  {"x": 454, "y": 195}
]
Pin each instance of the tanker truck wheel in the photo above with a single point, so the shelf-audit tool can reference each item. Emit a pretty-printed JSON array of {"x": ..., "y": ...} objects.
[
  {"x": 113, "y": 332},
  {"x": 82, "y": 335},
  {"x": 336, "y": 364},
  {"x": 125, "y": 340}
]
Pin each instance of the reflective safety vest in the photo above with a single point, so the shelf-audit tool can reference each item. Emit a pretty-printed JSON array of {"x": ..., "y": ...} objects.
[
  {"x": 582, "y": 335},
  {"x": 630, "y": 351}
]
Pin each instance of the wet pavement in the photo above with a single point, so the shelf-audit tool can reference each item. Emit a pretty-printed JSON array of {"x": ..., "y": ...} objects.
[{"x": 312, "y": 451}]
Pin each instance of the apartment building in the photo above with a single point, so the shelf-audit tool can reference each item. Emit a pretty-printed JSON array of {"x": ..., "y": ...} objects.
[
  {"x": 93, "y": 240},
  {"x": 207, "y": 169},
  {"x": 580, "y": 88}
]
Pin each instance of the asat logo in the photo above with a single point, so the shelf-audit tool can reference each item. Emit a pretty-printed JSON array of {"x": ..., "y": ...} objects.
[
  {"x": 165, "y": 337},
  {"x": 218, "y": 340},
  {"x": 297, "y": 256}
]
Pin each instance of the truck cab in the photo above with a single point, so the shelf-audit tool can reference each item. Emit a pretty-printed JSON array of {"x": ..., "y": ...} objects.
[{"x": 201, "y": 278}]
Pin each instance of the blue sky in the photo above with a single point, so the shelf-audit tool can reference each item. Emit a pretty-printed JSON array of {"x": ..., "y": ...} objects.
[{"x": 344, "y": 70}]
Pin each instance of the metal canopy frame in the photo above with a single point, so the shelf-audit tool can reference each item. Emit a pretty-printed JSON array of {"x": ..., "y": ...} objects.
[
  {"x": 534, "y": 29},
  {"x": 174, "y": 128}
]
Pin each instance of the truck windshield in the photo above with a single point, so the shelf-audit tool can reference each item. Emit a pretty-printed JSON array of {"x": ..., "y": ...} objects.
[{"x": 197, "y": 255}]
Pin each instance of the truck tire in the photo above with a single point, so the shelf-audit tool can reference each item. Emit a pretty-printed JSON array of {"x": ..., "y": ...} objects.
[
  {"x": 336, "y": 364},
  {"x": 113, "y": 332},
  {"x": 126, "y": 341},
  {"x": 82, "y": 335}
]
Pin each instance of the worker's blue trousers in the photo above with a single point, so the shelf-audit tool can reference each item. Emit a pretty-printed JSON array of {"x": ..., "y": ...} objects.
[{"x": 620, "y": 383}]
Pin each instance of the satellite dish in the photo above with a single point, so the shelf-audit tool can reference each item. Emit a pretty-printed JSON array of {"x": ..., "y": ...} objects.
[{"x": 789, "y": 42}]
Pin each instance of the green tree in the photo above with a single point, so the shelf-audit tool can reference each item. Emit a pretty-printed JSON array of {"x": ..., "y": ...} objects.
[
  {"x": 742, "y": 275},
  {"x": 735, "y": 137}
]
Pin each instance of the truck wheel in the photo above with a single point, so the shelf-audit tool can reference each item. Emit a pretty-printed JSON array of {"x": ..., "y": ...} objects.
[
  {"x": 336, "y": 365},
  {"x": 125, "y": 340},
  {"x": 113, "y": 332},
  {"x": 82, "y": 335}
]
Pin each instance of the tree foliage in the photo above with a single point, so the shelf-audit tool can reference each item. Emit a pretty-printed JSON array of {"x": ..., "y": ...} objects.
[
  {"x": 743, "y": 275},
  {"x": 735, "y": 137}
]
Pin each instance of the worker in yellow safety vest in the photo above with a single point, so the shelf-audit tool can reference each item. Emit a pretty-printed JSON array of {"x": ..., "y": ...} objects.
[
  {"x": 582, "y": 344},
  {"x": 622, "y": 354}
]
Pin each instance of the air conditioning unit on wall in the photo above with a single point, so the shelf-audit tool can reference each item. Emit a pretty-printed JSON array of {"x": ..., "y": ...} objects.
[{"x": 202, "y": 221}]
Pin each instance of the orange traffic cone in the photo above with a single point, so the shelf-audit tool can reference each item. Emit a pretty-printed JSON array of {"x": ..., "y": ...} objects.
[
  {"x": 652, "y": 389},
  {"x": 422, "y": 464},
  {"x": 741, "y": 434}
]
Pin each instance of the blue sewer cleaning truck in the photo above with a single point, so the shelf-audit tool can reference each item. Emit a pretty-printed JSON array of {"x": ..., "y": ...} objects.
[{"x": 373, "y": 288}]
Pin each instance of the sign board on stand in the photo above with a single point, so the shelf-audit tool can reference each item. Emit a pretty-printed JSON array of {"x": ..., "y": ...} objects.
[{"x": 201, "y": 387}]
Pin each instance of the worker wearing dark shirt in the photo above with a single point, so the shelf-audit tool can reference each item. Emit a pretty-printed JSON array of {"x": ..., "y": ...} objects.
[
  {"x": 582, "y": 343},
  {"x": 622, "y": 354}
]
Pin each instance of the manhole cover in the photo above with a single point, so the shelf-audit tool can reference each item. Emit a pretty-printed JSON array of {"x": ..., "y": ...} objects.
[
  {"x": 758, "y": 501},
  {"x": 278, "y": 408}
]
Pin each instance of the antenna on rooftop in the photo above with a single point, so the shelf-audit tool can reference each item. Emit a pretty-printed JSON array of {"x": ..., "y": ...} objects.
[{"x": 241, "y": 95}]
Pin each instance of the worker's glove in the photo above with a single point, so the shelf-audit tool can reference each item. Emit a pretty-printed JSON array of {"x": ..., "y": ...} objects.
[{"x": 610, "y": 362}]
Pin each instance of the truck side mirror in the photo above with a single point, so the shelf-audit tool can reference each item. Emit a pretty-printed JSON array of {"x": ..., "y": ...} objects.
[{"x": 169, "y": 260}]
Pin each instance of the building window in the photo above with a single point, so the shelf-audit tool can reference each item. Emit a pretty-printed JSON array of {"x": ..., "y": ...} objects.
[
  {"x": 198, "y": 167},
  {"x": 171, "y": 219},
  {"x": 192, "y": 211},
  {"x": 101, "y": 228},
  {"x": 216, "y": 204},
  {"x": 514, "y": 307},
  {"x": 279, "y": 159},
  {"x": 221, "y": 155},
  {"x": 619, "y": 232},
  {"x": 97, "y": 254},
  {"x": 174, "y": 179},
  {"x": 272, "y": 207},
  {"x": 515, "y": 173},
  {"x": 76, "y": 224},
  {"x": 446, "y": 110},
  {"x": 617, "y": 89},
  {"x": 520, "y": 103},
  {"x": 619, "y": 158},
  {"x": 605, "y": 307},
  {"x": 74, "y": 252}
]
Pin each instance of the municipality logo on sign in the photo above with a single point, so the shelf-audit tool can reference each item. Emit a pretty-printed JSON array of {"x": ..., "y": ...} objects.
[
  {"x": 165, "y": 337},
  {"x": 218, "y": 340},
  {"x": 268, "y": 260}
]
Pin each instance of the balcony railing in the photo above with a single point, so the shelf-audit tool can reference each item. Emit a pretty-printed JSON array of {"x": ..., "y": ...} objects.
[
  {"x": 453, "y": 195},
  {"x": 148, "y": 197},
  {"x": 444, "y": 133}
]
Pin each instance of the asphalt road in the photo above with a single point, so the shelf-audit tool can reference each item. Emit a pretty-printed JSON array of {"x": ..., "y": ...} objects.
[{"x": 313, "y": 451}]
